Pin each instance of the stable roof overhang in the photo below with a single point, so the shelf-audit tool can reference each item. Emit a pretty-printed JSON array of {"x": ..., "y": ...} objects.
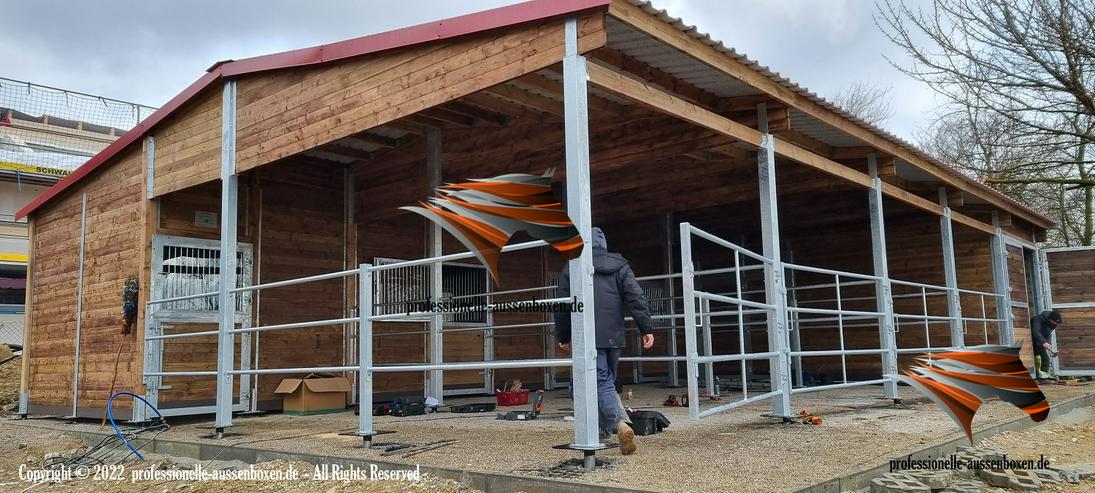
[{"x": 621, "y": 37}]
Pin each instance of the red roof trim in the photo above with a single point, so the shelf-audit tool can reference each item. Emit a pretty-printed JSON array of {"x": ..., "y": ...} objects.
[{"x": 422, "y": 33}]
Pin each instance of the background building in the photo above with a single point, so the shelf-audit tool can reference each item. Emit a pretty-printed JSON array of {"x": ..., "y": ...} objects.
[{"x": 45, "y": 133}]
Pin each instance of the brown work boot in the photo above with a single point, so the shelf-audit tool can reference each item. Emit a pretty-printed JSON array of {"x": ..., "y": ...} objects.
[{"x": 627, "y": 438}]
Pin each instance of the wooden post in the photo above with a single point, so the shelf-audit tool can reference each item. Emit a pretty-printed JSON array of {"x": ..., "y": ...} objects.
[{"x": 28, "y": 325}]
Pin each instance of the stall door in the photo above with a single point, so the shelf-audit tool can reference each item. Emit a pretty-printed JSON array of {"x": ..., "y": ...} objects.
[{"x": 1070, "y": 288}]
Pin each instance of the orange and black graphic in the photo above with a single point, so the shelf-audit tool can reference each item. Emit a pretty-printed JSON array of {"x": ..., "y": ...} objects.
[
  {"x": 960, "y": 381},
  {"x": 484, "y": 213}
]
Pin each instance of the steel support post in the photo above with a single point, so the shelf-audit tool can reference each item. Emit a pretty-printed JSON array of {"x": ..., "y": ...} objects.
[
  {"x": 365, "y": 355},
  {"x": 950, "y": 274},
  {"x": 691, "y": 351},
  {"x": 775, "y": 291},
  {"x": 226, "y": 299},
  {"x": 153, "y": 355},
  {"x": 887, "y": 329},
  {"x": 79, "y": 304},
  {"x": 1001, "y": 284},
  {"x": 793, "y": 324},
  {"x": 708, "y": 350},
  {"x": 583, "y": 335},
  {"x": 672, "y": 377},
  {"x": 435, "y": 386},
  {"x": 152, "y": 348}
]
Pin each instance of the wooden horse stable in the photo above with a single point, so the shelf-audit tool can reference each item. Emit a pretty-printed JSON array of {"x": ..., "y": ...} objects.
[{"x": 292, "y": 165}]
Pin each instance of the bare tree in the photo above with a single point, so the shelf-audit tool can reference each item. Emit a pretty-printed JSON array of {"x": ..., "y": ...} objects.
[
  {"x": 869, "y": 102},
  {"x": 996, "y": 150},
  {"x": 1020, "y": 76}
]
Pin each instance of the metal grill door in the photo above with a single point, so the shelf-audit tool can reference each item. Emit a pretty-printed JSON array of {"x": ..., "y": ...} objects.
[{"x": 1069, "y": 279}]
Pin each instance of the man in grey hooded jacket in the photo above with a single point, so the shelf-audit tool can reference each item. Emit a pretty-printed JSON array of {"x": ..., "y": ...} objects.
[{"x": 615, "y": 293}]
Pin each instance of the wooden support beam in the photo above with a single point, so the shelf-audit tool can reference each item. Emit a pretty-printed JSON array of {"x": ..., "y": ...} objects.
[
  {"x": 804, "y": 141},
  {"x": 448, "y": 116},
  {"x": 478, "y": 113},
  {"x": 366, "y": 138},
  {"x": 749, "y": 103},
  {"x": 527, "y": 99},
  {"x": 658, "y": 99},
  {"x": 667, "y": 81},
  {"x": 779, "y": 119},
  {"x": 955, "y": 198},
  {"x": 555, "y": 89},
  {"x": 860, "y": 152},
  {"x": 513, "y": 110},
  {"x": 634, "y": 16}
]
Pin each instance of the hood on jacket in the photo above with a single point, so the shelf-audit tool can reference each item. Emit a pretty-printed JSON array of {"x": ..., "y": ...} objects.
[
  {"x": 599, "y": 241},
  {"x": 605, "y": 262}
]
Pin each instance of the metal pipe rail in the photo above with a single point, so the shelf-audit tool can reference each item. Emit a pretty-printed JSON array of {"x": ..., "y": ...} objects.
[
  {"x": 471, "y": 365},
  {"x": 454, "y": 256},
  {"x": 837, "y": 352},
  {"x": 732, "y": 301},
  {"x": 744, "y": 401},
  {"x": 831, "y": 272},
  {"x": 721, "y": 242},
  {"x": 819, "y": 388},
  {"x": 735, "y": 357},
  {"x": 488, "y": 307}
]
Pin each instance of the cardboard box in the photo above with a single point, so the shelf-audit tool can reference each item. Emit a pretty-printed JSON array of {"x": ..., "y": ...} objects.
[{"x": 316, "y": 393}]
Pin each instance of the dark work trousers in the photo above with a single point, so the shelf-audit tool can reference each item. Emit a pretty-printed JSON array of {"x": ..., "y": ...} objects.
[{"x": 608, "y": 403}]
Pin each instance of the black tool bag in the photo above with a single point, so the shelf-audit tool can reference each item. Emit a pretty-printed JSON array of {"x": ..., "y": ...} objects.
[
  {"x": 648, "y": 422},
  {"x": 475, "y": 407},
  {"x": 408, "y": 406}
]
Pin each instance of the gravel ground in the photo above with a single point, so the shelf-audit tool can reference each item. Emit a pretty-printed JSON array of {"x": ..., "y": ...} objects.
[
  {"x": 28, "y": 446},
  {"x": 740, "y": 447}
]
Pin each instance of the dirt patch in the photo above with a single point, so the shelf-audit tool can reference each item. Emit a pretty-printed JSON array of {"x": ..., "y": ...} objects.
[{"x": 9, "y": 385}]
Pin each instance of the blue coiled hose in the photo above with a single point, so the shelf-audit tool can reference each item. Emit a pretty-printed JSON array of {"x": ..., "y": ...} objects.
[{"x": 117, "y": 431}]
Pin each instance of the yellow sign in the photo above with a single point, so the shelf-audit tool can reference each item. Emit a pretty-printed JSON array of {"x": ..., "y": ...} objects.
[
  {"x": 30, "y": 168},
  {"x": 13, "y": 257}
]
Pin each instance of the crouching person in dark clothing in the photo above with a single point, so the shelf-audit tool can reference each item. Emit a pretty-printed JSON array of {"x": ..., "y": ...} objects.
[
  {"x": 616, "y": 294},
  {"x": 1041, "y": 332}
]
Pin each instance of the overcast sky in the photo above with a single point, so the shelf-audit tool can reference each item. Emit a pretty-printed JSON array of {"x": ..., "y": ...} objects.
[{"x": 146, "y": 51}]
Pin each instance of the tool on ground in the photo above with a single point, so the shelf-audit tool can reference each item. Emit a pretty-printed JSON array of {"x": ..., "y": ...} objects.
[
  {"x": 647, "y": 422},
  {"x": 474, "y": 407},
  {"x": 425, "y": 448},
  {"x": 418, "y": 448},
  {"x": 408, "y": 406},
  {"x": 390, "y": 447},
  {"x": 671, "y": 401},
  {"x": 684, "y": 399},
  {"x": 537, "y": 406},
  {"x": 809, "y": 418}
]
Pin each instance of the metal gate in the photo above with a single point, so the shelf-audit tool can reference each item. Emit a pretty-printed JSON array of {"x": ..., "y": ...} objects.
[
  {"x": 182, "y": 270},
  {"x": 1069, "y": 286},
  {"x": 401, "y": 290}
]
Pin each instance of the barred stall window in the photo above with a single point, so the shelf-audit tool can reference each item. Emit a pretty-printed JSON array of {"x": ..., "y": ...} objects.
[
  {"x": 407, "y": 289},
  {"x": 188, "y": 266}
]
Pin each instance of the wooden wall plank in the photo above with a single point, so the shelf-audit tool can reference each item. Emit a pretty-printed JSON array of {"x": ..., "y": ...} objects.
[
  {"x": 188, "y": 145},
  {"x": 112, "y": 254},
  {"x": 280, "y": 119}
]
